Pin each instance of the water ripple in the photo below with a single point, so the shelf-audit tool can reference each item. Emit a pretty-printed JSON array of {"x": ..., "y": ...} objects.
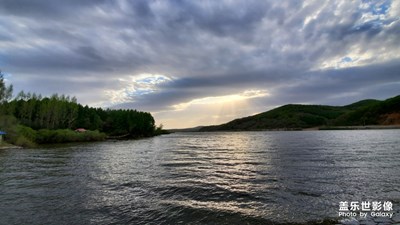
[{"x": 200, "y": 178}]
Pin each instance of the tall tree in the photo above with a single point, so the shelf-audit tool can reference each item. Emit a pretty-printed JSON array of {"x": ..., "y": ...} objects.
[{"x": 5, "y": 92}]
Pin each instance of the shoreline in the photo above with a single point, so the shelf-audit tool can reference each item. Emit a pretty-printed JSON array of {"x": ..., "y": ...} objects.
[
  {"x": 365, "y": 127},
  {"x": 322, "y": 128},
  {"x": 5, "y": 145}
]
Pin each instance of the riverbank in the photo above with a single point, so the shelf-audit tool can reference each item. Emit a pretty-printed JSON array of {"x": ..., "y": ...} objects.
[
  {"x": 5, "y": 145},
  {"x": 31, "y": 139},
  {"x": 366, "y": 127},
  {"x": 27, "y": 137}
]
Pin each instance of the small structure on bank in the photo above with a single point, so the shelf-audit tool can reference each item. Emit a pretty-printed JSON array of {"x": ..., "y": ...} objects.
[
  {"x": 80, "y": 130},
  {"x": 1, "y": 135}
]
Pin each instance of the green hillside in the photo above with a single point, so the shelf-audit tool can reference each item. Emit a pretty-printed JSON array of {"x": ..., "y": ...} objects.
[
  {"x": 293, "y": 116},
  {"x": 362, "y": 103},
  {"x": 375, "y": 113}
]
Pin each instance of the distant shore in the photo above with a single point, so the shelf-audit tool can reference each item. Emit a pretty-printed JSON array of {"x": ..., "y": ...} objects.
[{"x": 366, "y": 127}]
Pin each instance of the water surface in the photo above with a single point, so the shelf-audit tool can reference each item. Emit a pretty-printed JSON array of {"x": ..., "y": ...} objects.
[{"x": 200, "y": 178}]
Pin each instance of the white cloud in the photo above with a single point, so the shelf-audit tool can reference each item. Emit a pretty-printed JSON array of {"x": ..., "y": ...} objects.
[{"x": 134, "y": 86}]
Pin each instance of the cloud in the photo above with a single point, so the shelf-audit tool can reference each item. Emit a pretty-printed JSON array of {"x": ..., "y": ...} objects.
[
  {"x": 136, "y": 86},
  {"x": 297, "y": 51},
  {"x": 346, "y": 85}
]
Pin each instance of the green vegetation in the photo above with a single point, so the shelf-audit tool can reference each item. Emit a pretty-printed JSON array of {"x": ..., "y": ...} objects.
[
  {"x": 31, "y": 119},
  {"x": 292, "y": 117},
  {"x": 65, "y": 135},
  {"x": 5, "y": 92},
  {"x": 373, "y": 113},
  {"x": 160, "y": 131}
]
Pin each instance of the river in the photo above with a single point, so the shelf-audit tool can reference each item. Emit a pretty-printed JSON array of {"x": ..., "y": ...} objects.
[{"x": 200, "y": 178}]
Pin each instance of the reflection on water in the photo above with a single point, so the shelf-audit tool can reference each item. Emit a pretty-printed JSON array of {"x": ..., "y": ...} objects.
[{"x": 200, "y": 178}]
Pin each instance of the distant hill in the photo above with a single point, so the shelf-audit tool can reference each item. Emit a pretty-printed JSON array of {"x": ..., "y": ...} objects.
[{"x": 294, "y": 116}]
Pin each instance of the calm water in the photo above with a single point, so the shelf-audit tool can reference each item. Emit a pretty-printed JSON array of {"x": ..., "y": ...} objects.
[{"x": 200, "y": 178}]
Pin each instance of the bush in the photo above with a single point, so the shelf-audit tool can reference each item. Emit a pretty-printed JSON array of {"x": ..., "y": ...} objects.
[
  {"x": 26, "y": 132},
  {"x": 24, "y": 142},
  {"x": 17, "y": 134},
  {"x": 45, "y": 136}
]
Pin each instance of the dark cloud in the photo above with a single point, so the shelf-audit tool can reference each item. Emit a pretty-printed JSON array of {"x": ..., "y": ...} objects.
[
  {"x": 294, "y": 50},
  {"x": 341, "y": 86},
  {"x": 46, "y": 9},
  {"x": 335, "y": 86}
]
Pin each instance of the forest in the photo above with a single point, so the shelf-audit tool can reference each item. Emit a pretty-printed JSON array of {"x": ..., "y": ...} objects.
[{"x": 31, "y": 119}]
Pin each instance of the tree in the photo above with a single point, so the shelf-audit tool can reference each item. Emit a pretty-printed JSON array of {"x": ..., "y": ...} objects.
[{"x": 5, "y": 92}]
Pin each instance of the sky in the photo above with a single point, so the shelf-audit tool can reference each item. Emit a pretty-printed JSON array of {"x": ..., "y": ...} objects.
[{"x": 194, "y": 63}]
